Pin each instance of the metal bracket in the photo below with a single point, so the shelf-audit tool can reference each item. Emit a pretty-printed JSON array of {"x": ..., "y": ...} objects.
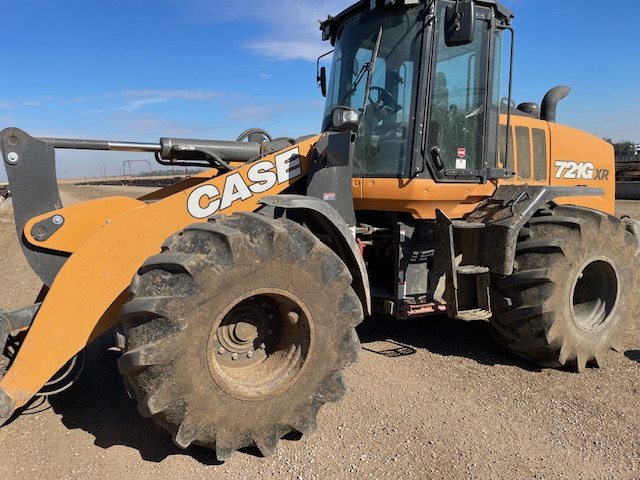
[
  {"x": 31, "y": 170},
  {"x": 42, "y": 230},
  {"x": 507, "y": 211}
]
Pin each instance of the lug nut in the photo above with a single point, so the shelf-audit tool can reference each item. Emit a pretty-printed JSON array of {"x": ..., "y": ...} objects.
[
  {"x": 234, "y": 356},
  {"x": 250, "y": 354},
  {"x": 293, "y": 317},
  {"x": 221, "y": 351}
]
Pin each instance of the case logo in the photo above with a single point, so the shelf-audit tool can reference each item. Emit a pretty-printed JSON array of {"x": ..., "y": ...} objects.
[{"x": 206, "y": 200}]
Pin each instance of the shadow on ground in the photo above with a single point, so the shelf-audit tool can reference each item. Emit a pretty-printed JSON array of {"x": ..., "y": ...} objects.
[
  {"x": 438, "y": 334},
  {"x": 99, "y": 404},
  {"x": 633, "y": 355}
]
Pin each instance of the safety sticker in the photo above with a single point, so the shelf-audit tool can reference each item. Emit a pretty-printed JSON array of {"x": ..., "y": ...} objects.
[{"x": 329, "y": 196}]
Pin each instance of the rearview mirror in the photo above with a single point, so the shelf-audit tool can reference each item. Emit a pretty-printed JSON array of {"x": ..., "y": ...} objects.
[
  {"x": 321, "y": 76},
  {"x": 459, "y": 20},
  {"x": 322, "y": 81}
]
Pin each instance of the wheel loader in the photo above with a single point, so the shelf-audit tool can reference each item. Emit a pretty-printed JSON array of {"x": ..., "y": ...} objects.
[{"x": 236, "y": 292}]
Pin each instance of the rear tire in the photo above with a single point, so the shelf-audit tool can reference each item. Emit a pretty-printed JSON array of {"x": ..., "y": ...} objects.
[
  {"x": 572, "y": 291},
  {"x": 238, "y": 332}
]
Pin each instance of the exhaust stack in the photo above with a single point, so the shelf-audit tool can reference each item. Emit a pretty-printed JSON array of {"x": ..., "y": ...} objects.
[{"x": 550, "y": 102}]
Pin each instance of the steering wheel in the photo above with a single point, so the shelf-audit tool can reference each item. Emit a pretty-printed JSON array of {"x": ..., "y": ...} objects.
[
  {"x": 385, "y": 101},
  {"x": 247, "y": 133}
]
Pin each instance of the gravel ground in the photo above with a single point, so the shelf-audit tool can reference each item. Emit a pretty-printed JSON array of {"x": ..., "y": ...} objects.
[{"x": 430, "y": 398}]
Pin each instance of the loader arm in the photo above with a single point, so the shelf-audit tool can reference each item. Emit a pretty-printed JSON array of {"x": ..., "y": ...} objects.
[{"x": 106, "y": 249}]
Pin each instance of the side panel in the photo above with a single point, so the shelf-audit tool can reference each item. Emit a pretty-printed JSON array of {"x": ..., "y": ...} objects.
[
  {"x": 419, "y": 196},
  {"x": 528, "y": 152},
  {"x": 578, "y": 158},
  {"x": 573, "y": 158}
]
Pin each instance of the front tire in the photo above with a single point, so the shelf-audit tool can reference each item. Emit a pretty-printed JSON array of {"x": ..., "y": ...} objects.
[
  {"x": 238, "y": 332},
  {"x": 572, "y": 291}
]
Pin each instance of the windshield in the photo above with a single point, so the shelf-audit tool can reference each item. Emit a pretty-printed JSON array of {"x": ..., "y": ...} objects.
[{"x": 383, "y": 144}]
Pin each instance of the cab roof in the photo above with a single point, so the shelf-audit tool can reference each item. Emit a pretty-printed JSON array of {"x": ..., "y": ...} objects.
[{"x": 503, "y": 14}]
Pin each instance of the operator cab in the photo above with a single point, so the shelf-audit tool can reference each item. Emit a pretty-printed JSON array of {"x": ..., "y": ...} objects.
[{"x": 426, "y": 91}]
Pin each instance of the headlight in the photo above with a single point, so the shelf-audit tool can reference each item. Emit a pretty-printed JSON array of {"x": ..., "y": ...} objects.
[{"x": 344, "y": 118}]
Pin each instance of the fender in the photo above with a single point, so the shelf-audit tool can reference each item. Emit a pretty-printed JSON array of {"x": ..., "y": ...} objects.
[
  {"x": 327, "y": 224},
  {"x": 506, "y": 212}
]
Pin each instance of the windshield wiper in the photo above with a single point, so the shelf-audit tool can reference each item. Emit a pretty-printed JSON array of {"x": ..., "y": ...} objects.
[
  {"x": 372, "y": 64},
  {"x": 355, "y": 85},
  {"x": 367, "y": 67}
]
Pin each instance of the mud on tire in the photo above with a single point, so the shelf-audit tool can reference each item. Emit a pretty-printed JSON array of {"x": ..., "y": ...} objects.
[
  {"x": 238, "y": 332},
  {"x": 571, "y": 293}
]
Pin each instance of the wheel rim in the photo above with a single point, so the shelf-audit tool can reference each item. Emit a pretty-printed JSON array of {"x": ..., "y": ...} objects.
[
  {"x": 595, "y": 295},
  {"x": 259, "y": 346}
]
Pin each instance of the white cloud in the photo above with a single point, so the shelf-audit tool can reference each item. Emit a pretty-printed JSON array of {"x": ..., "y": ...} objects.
[
  {"x": 267, "y": 112},
  {"x": 141, "y": 98},
  {"x": 145, "y": 124},
  {"x": 21, "y": 103},
  {"x": 177, "y": 94},
  {"x": 286, "y": 51},
  {"x": 253, "y": 113},
  {"x": 291, "y": 26},
  {"x": 138, "y": 104}
]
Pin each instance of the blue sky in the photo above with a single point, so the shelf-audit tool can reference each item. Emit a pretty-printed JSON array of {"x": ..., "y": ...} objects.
[{"x": 137, "y": 70}]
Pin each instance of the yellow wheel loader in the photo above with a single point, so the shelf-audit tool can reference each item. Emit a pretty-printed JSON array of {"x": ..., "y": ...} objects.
[{"x": 237, "y": 291}]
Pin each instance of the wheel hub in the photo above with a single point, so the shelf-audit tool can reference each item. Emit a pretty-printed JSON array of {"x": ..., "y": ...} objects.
[
  {"x": 595, "y": 295},
  {"x": 247, "y": 333},
  {"x": 260, "y": 345},
  {"x": 244, "y": 332}
]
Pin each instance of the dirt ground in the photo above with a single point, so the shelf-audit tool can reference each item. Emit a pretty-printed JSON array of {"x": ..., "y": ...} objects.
[{"x": 430, "y": 398}]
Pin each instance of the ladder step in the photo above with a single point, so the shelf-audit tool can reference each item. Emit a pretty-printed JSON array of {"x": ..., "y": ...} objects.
[
  {"x": 463, "y": 224},
  {"x": 474, "y": 314},
  {"x": 471, "y": 269}
]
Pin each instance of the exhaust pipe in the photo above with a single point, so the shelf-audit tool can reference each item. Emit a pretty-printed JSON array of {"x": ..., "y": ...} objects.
[{"x": 550, "y": 103}]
